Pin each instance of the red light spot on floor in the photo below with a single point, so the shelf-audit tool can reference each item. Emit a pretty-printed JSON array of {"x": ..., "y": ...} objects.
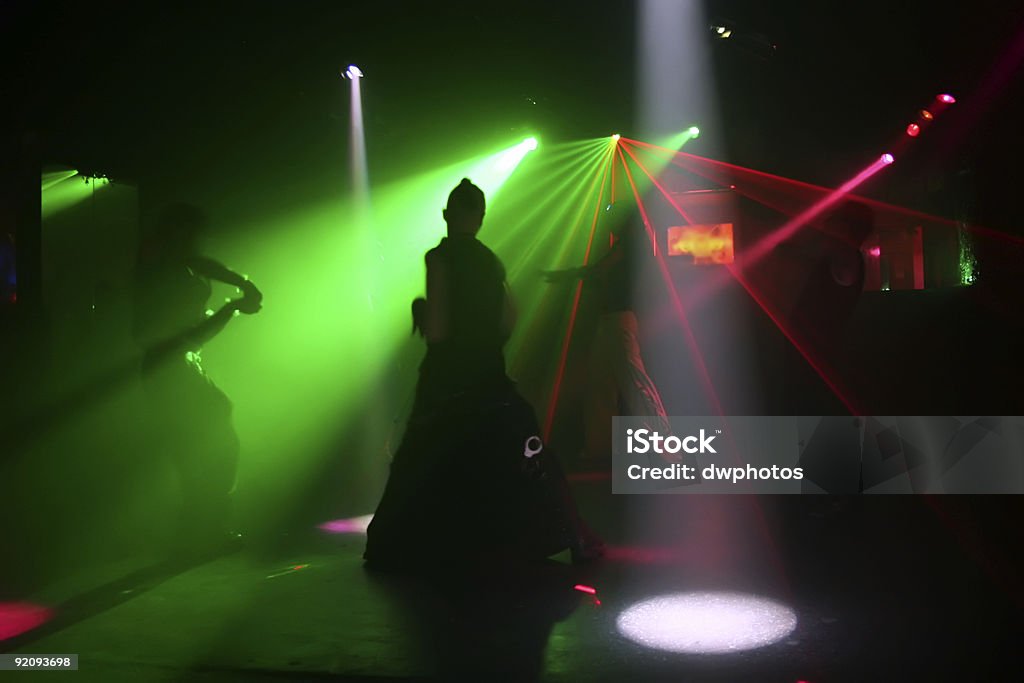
[
  {"x": 642, "y": 555},
  {"x": 20, "y": 617}
]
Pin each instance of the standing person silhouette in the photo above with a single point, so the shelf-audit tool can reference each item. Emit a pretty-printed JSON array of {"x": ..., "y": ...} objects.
[
  {"x": 471, "y": 477},
  {"x": 191, "y": 417},
  {"x": 618, "y": 380},
  {"x": 832, "y": 258},
  {"x": 835, "y": 280}
]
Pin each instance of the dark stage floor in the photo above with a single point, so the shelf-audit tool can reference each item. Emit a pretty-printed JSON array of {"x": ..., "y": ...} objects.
[{"x": 883, "y": 589}]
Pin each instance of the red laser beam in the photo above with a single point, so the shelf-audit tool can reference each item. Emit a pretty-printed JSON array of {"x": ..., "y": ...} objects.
[
  {"x": 765, "y": 189},
  {"x": 597, "y": 164},
  {"x": 725, "y": 176},
  {"x": 563, "y": 357},
  {"x": 763, "y": 524},
  {"x": 677, "y": 303},
  {"x": 987, "y": 94},
  {"x": 775, "y": 557},
  {"x": 773, "y": 239},
  {"x": 817, "y": 365},
  {"x": 660, "y": 187},
  {"x": 752, "y": 255}
]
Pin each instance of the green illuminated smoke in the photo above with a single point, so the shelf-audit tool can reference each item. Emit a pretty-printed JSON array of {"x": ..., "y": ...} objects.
[
  {"x": 677, "y": 140},
  {"x": 338, "y": 284},
  {"x": 655, "y": 162},
  {"x": 334, "y": 332},
  {"x": 64, "y": 189},
  {"x": 331, "y": 352},
  {"x": 51, "y": 178},
  {"x": 968, "y": 262}
]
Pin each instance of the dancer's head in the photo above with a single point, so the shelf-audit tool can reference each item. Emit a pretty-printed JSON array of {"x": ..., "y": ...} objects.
[
  {"x": 852, "y": 222},
  {"x": 178, "y": 230},
  {"x": 465, "y": 211}
]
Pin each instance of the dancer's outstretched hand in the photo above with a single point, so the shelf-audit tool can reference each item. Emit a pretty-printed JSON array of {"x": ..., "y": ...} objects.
[{"x": 252, "y": 302}]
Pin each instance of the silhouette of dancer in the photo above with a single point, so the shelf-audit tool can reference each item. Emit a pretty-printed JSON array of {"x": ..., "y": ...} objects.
[
  {"x": 191, "y": 416},
  {"x": 472, "y": 477},
  {"x": 836, "y": 278},
  {"x": 618, "y": 380}
]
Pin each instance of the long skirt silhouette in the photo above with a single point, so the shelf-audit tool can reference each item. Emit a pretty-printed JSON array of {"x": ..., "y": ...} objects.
[{"x": 471, "y": 477}]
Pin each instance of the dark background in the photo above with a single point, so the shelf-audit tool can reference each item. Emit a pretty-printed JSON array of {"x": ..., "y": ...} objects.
[{"x": 162, "y": 90}]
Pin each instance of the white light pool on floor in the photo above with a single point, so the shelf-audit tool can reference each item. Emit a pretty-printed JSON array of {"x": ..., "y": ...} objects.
[{"x": 707, "y": 623}]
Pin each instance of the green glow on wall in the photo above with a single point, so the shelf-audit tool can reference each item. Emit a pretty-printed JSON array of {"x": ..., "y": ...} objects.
[
  {"x": 59, "y": 193},
  {"x": 968, "y": 263},
  {"x": 51, "y": 178}
]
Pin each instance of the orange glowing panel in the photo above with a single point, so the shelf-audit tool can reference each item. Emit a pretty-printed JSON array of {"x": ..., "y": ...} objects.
[{"x": 707, "y": 244}]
